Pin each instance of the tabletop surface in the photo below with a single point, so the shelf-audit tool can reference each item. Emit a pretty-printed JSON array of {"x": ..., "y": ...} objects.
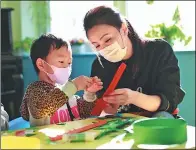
[{"x": 112, "y": 140}]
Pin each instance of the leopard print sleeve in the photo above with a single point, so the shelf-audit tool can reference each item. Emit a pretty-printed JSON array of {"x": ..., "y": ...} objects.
[
  {"x": 44, "y": 99},
  {"x": 84, "y": 107}
]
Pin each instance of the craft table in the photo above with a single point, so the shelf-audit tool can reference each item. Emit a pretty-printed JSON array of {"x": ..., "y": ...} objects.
[{"x": 113, "y": 140}]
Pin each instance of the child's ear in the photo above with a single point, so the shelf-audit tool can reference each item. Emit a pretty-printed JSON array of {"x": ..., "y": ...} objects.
[{"x": 39, "y": 64}]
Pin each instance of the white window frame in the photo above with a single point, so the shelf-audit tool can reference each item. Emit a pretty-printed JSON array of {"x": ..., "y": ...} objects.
[{"x": 59, "y": 21}]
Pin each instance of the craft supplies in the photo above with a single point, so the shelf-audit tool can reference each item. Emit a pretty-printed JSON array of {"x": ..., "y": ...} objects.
[
  {"x": 159, "y": 131},
  {"x": 28, "y": 132},
  {"x": 56, "y": 138},
  {"x": 80, "y": 137},
  {"x": 113, "y": 126},
  {"x": 13, "y": 142},
  {"x": 88, "y": 127},
  {"x": 20, "y": 133},
  {"x": 100, "y": 103},
  {"x": 78, "y": 130}
]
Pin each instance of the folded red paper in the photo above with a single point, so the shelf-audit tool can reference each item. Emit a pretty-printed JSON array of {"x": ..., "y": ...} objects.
[{"x": 100, "y": 103}]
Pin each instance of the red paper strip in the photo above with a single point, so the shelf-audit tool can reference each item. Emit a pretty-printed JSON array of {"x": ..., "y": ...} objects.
[
  {"x": 101, "y": 104},
  {"x": 20, "y": 133},
  {"x": 56, "y": 138},
  {"x": 79, "y": 130},
  {"x": 176, "y": 111},
  {"x": 88, "y": 127}
]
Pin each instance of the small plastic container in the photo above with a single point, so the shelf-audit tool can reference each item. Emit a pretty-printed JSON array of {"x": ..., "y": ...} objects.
[{"x": 160, "y": 131}]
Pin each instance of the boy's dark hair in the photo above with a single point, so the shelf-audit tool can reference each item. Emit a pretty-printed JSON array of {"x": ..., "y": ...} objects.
[{"x": 41, "y": 47}]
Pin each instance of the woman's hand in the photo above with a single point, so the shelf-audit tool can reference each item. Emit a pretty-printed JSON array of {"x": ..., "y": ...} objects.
[
  {"x": 95, "y": 86},
  {"x": 121, "y": 96},
  {"x": 111, "y": 108},
  {"x": 127, "y": 96}
]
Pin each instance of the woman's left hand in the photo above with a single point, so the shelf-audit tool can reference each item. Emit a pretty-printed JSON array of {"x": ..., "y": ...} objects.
[{"x": 122, "y": 96}]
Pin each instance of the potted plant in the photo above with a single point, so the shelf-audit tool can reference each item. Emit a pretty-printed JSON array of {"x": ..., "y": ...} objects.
[
  {"x": 23, "y": 46},
  {"x": 170, "y": 33},
  {"x": 40, "y": 15},
  {"x": 150, "y": 2}
]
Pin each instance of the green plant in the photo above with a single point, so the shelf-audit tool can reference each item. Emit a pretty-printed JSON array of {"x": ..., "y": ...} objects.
[
  {"x": 40, "y": 16},
  {"x": 170, "y": 33},
  {"x": 149, "y": 2},
  {"x": 23, "y": 45}
]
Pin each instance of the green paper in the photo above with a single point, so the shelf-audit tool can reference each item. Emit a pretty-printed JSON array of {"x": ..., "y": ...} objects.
[
  {"x": 117, "y": 123},
  {"x": 28, "y": 135},
  {"x": 78, "y": 137},
  {"x": 61, "y": 123},
  {"x": 10, "y": 131}
]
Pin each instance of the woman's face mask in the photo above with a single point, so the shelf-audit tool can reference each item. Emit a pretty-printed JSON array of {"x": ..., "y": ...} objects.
[
  {"x": 60, "y": 75},
  {"x": 113, "y": 52}
]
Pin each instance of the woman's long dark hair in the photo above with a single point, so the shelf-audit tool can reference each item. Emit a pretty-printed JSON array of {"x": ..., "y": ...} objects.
[{"x": 109, "y": 16}]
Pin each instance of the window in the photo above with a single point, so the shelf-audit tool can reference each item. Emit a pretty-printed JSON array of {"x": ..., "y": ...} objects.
[
  {"x": 141, "y": 15},
  {"x": 67, "y": 17}
]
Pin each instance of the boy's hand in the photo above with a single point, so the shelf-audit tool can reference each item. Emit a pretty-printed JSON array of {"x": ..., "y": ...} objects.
[
  {"x": 82, "y": 82},
  {"x": 95, "y": 86}
]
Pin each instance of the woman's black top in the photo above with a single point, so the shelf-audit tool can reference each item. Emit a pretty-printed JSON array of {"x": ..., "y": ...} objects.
[{"x": 153, "y": 68}]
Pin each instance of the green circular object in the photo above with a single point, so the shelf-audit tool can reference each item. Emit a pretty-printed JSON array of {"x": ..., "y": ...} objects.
[{"x": 160, "y": 131}]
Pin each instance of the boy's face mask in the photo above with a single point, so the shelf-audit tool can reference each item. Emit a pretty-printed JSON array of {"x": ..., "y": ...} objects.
[{"x": 60, "y": 75}]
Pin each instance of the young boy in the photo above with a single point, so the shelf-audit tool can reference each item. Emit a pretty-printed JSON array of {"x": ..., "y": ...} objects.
[{"x": 52, "y": 100}]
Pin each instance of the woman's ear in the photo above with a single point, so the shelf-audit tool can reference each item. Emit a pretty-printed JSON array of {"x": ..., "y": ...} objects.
[
  {"x": 39, "y": 64},
  {"x": 124, "y": 29}
]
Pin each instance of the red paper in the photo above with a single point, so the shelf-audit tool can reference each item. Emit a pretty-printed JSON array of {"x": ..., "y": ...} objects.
[
  {"x": 88, "y": 127},
  {"x": 101, "y": 104},
  {"x": 20, "y": 133},
  {"x": 56, "y": 138},
  {"x": 79, "y": 130}
]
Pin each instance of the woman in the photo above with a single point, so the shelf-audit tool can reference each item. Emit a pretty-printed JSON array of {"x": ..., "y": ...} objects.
[{"x": 151, "y": 81}]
